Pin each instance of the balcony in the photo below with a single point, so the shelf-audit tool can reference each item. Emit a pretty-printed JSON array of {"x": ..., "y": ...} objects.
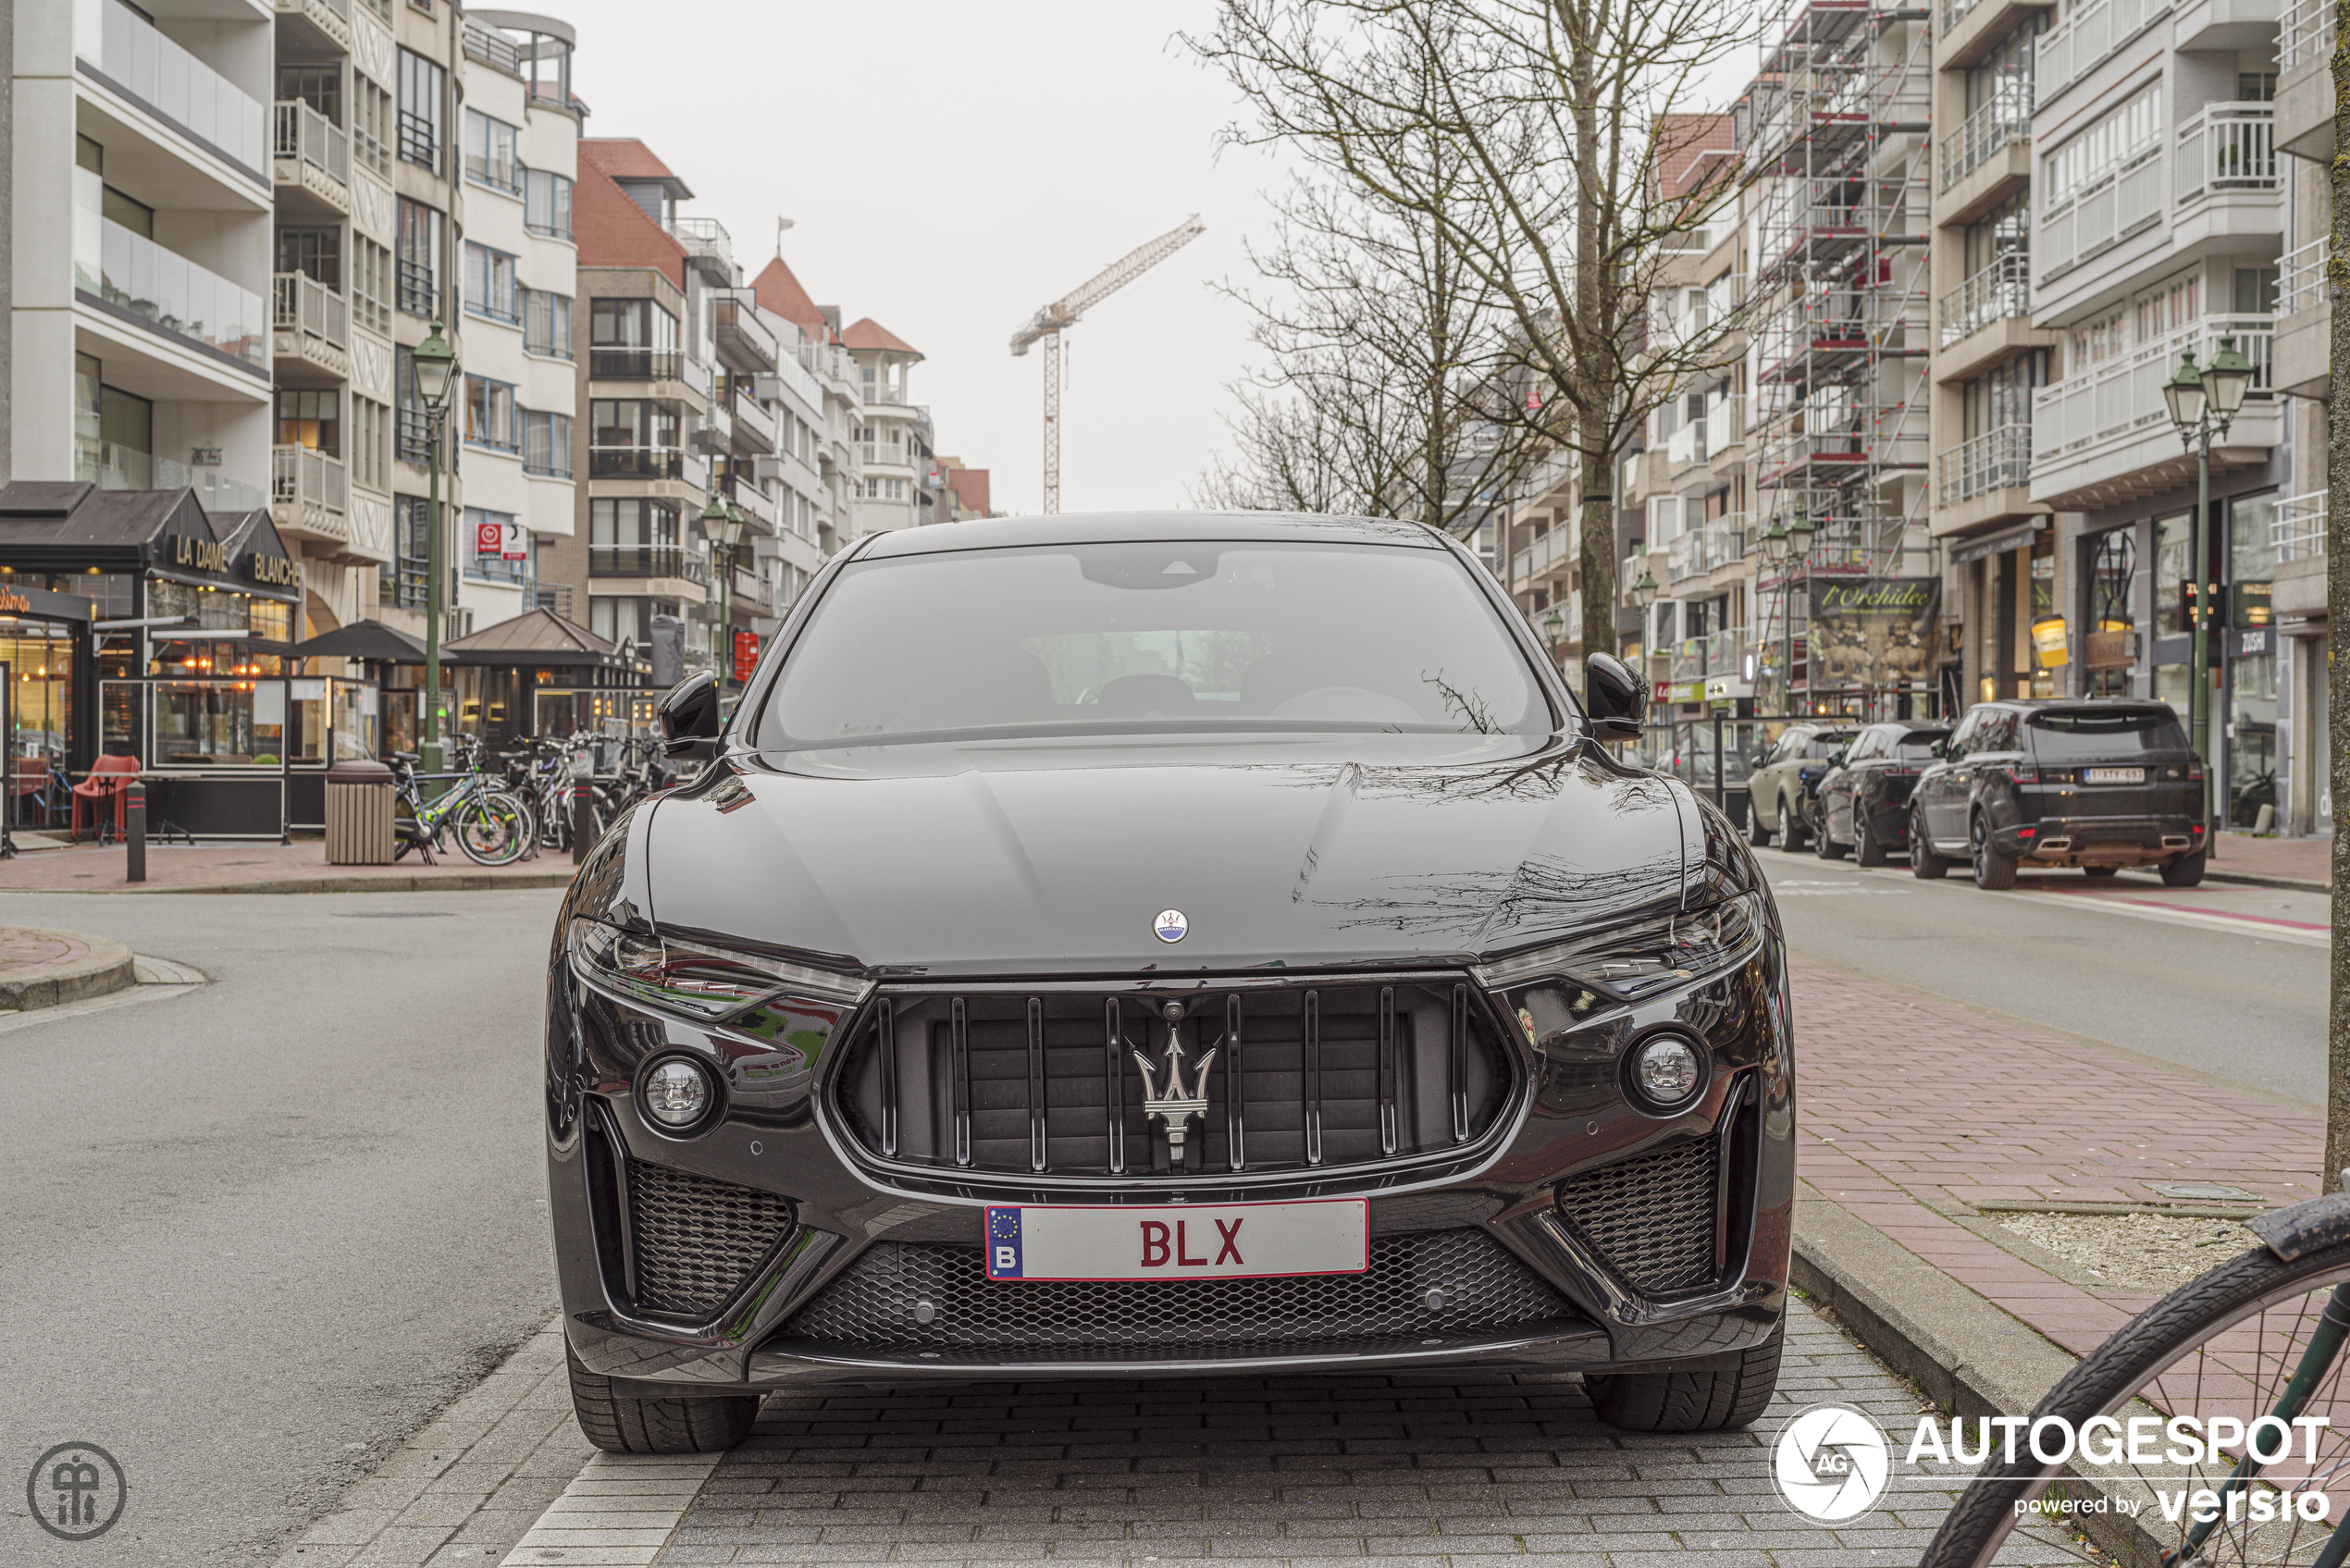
[
  {"x": 1549, "y": 556},
  {"x": 112, "y": 467},
  {"x": 548, "y": 596},
  {"x": 1720, "y": 653},
  {"x": 2103, "y": 435},
  {"x": 670, "y": 563},
  {"x": 635, "y": 463},
  {"x": 2305, "y": 81},
  {"x": 329, "y": 19},
  {"x": 1685, "y": 447},
  {"x": 1699, "y": 551},
  {"x": 136, "y": 278},
  {"x": 2125, "y": 200},
  {"x": 713, "y": 433},
  {"x": 2005, "y": 121},
  {"x": 2227, "y": 147},
  {"x": 708, "y": 245},
  {"x": 2298, "y": 582},
  {"x": 126, "y": 51},
  {"x": 754, "y": 429},
  {"x": 309, "y": 495},
  {"x": 1999, "y": 458},
  {"x": 744, "y": 341},
  {"x": 2091, "y": 32},
  {"x": 753, "y": 593},
  {"x": 757, "y": 504},
  {"x": 2002, "y": 292},
  {"x": 636, "y": 364},
  {"x": 2305, "y": 355},
  {"x": 314, "y": 155},
  {"x": 313, "y": 326}
]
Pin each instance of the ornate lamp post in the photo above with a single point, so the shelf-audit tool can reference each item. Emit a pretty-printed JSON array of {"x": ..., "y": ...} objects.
[
  {"x": 722, "y": 525},
  {"x": 436, "y": 365},
  {"x": 2203, "y": 403},
  {"x": 1553, "y": 624}
]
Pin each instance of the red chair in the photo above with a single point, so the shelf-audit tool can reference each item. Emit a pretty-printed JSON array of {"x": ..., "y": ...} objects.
[{"x": 109, "y": 778}]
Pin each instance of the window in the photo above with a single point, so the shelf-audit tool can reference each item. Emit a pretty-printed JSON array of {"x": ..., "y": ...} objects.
[
  {"x": 2256, "y": 87},
  {"x": 2116, "y": 139},
  {"x": 315, "y": 253},
  {"x": 424, "y": 88},
  {"x": 2096, "y": 342},
  {"x": 2173, "y": 549},
  {"x": 420, "y": 240},
  {"x": 2004, "y": 397},
  {"x": 545, "y": 323},
  {"x": 311, "y": 417},
  {"x": 371, "y": 131},
  {"x": 632, "y": 338},
  {"x": 627, "y": 620},
  {"x": 371, "y": 284},
  {"x": 318, "y": 86},
  {"x": 632, "y": 537},
  {"x": 545, "y": 204},
  {"x": 491, "y": 565},
  {"x": 546, "y": 444},
  {"x": 492, "y": 418},
  {"x": 370, "y": 444},
  {"x": 491, "y": 285},
  {"x": 631, "y": 438},
  {"x": 414, "y": 436},
  {"x": 489, "y": 153},
  {"x": 2255, "y": 290},
  {"x": 2167, "y": 306},
  {"x": 400, "y": 582}
]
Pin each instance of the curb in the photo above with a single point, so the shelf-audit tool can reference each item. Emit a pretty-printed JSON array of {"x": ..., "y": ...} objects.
[
  {"x": 2260, "y": 879},
  {"x": 107, "y": 967},
  {"x": 425, "y": 881}
]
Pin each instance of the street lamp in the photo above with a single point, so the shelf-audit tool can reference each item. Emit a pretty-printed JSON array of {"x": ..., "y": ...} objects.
[
  {"x": 435, "y": 368},
  {"x": 1553, "y": 624},
  {"x": 722, "y": 525},
  {"x": 2203, "y": 403},
  {"x": 1643, "y": 591}
]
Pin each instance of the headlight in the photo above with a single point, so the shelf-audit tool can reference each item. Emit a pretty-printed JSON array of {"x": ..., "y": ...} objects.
[
  {"x": 1667, "y": 1073},
  {"x": 694, "y": 979},
  {"x": 678, "y": 1093},
  {"x": 1637, "y": 960}
]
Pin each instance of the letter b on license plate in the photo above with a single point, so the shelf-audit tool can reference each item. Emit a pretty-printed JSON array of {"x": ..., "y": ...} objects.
[{"x": 1178, "y": 1241}]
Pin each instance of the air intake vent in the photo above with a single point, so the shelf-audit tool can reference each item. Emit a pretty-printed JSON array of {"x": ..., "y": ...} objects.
[
  {"x": 1651, "y": 1218},
  {"x": 695, "y": 1240}
]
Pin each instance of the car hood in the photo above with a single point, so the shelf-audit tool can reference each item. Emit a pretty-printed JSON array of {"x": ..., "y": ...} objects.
[{"x": 1026, "y": 862}]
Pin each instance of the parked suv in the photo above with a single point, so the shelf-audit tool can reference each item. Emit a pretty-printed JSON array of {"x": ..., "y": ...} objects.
[
  {"x": 2095, "y": 784},
  {"x": 1779, "y": 793},
  {"x": 1864, "y": 803}
]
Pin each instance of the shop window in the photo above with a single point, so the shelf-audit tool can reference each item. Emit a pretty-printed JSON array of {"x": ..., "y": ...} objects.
[
  {"x": 2252, "y": 737},
  {"x": 2174, "y": 549}
]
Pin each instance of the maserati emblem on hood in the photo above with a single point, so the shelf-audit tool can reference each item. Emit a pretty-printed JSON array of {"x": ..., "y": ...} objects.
[
  {"x": 1171, "y": 925},
  {"x": 1166, "y": 1096}
]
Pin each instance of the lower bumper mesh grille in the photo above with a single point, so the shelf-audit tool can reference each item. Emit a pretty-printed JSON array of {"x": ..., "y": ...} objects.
[
  {"x": 874, "y": 1304},
  {"x": 693, "y": 1240},
  {"x": 1651, "y": 1218}
]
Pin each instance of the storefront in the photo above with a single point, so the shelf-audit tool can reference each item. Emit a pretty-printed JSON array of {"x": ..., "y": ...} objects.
[
  {"x": 48, "y": 693},
  {"x": 540, "y": 675}
]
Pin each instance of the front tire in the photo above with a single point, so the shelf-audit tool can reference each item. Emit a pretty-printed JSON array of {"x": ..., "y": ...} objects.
[
  {"x": 1791, "y": 826},
  {"x": 1994, "y": 872},
  {"x": 1823, "y": 843},
  {"x": 1924, "y": 864},
  {"x": 1866, "y": 850},
  {"x": 1688, "y": 1401},
  {"x": 2185, "y": 872},
  {"x": 1756, "y": 833},
  {"x": 617, "y": 1423}
]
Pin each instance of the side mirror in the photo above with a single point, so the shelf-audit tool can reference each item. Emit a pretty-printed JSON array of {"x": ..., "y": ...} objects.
[
  {"x": 1616, "y": 699},
  {"x": 689, "y": 718},
  {"x": 1835, "y": 757}
]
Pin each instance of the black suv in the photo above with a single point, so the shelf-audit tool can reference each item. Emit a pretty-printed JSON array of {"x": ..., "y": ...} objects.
[
  {"x": 1863, "y": 804},
  {"x": 2090, "y": 782}
]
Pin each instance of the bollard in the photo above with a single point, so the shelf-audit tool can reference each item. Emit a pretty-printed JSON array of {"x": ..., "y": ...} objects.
[
  {"x": 134, "y": 832},
  {"x": 583, "y": 818}
]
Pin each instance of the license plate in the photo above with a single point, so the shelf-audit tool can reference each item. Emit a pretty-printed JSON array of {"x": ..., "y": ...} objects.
[
  {"x": 1179, "y": 1240},
  {"x": 2113, "y": 775}
]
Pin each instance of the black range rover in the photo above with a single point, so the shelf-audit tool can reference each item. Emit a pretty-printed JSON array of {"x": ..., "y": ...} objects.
[
  {"x": 2092, "y": 783},
  {"x": 1165, "y": 945}
]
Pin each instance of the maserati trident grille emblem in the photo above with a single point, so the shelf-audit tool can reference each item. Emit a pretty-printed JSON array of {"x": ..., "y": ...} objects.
[
  {"x": 1171, "y": 925},
  {"x": 1166, "y": 1095}
]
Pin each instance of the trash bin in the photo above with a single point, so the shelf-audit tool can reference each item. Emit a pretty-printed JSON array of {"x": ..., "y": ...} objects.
[{"x": 359, "y": 814}]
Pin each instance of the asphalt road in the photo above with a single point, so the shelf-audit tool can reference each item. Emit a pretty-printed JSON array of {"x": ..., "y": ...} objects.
[
  {"x": 257, "y": 1233},
  {"x": 2226, "y": 979}
]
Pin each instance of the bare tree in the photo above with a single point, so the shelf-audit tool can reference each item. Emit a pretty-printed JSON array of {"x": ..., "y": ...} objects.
[
  {"x": 1548, "y": 142},
  {"x": 2338, "y": 598}
]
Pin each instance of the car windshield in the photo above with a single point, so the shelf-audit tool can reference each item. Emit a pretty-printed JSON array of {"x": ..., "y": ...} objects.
[
  {"x": 2081, "y": 733},
  {"x": 1918, "y": 745},
  {"x": 1828, "y": 746},
  {"x": 1180, "y": 637}
]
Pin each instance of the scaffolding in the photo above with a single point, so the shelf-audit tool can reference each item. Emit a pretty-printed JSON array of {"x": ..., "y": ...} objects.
[{"x": 1838, "y": 142}]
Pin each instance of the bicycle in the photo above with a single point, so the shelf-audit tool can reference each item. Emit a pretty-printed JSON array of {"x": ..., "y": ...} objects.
[
  {"x": 492, "y": 826},
  {"x": 2258, "y": 1341}
]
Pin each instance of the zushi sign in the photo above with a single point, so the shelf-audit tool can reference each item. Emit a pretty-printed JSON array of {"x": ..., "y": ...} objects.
[{"x": 1873, "y": 631}]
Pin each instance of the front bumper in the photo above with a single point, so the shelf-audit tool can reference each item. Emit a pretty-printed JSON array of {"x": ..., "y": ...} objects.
[{"x": 1537, "y": 1241}]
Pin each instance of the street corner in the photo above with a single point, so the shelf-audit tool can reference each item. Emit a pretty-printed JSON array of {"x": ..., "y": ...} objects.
[{"x": 47, "y": 969}]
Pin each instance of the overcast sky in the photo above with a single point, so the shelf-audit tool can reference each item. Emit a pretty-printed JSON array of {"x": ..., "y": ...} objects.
[{"x": 950, "y": 168}]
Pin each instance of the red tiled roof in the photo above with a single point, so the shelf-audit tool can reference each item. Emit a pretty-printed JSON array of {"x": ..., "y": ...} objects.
[
  {"x": 872, "y": 334},
  {"x": 778, "y": 291},
  {"x": 1689, "y": 151},
  {"x": 970, "y": 485},
  {"x": 624, "y": 157},
  {"x": 612, "y": 230}
]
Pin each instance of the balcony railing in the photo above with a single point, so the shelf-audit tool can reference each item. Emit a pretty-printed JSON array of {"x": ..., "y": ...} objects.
[
  {"x": 2105, "y": 211},
  {"x": 1684, "y": 445},
  {"x": 2004, "y": 122},
  {"x": 549, "y": 596},
  {"x": 1716, "y": 542},
  {"x": 635, "y": 463},
  {"x": 1995, "y": 293},
  {"x": 2301, "y": 276},
  {"x": 2092, "y": 31},
  {"x": 704, "y": 237},
  {"x": 165, "y": 290},
  {"x": 743, "y": 338},
  {"x": 2304, "y": 32},
  {"x": 636, "y": 560},
  {"x": 2228, "y": 147},
  {"x": 307, "y": 136},
  {"x": 2300, "y": 528},
  {"x": 1954, "y": 12},
  {"x": 1719, "y": 653},
  {"x": 309, "y": 307},
  {"x": 299, "y": 477},
  {"x": 2123, "y": 397},
  {"x": 1994, "y": 460},
  {"x": 113, "y": 467},
  {"x": 1546, "y": 554},
  {"x": 131, "y": 52},
  {"x": 636, "y": 364}
]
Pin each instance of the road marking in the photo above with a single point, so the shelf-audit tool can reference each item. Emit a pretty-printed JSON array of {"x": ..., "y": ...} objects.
[{"x": 2242, "y": 925}]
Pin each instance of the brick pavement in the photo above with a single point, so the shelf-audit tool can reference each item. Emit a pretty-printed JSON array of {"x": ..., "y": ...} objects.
[{"x": 2302, "y": 859}]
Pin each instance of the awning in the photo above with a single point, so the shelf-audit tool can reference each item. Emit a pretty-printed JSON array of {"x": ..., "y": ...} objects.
[{"x": 366, "y": 640}]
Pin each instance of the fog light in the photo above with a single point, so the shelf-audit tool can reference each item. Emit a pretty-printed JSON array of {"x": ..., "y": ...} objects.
[
  {"x": 678, "y": 1093},
  {"x": 1668, "y": 1072}
]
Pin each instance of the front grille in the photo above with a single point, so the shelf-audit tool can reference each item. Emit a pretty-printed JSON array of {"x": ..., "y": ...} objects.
[
  {"x": 1298, "y": 1075},
  {"x": 693, "y": 1240},
  {"x": 877, "y": 1305},
  {"x": 1651, "y": 1218}
]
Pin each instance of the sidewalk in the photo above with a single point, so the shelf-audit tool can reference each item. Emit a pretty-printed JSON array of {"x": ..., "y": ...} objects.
[
  {"x": 299, "y": 867},
  {"x": 2291, "y": 861}
]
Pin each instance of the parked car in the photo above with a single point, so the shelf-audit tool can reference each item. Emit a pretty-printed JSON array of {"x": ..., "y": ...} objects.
[
  {"x": 1780, "y": 789},
  {"x": 1863, "y": 804},
  {"x": 2092, "y": 783},
  {"x": 1165, "y": 945}
]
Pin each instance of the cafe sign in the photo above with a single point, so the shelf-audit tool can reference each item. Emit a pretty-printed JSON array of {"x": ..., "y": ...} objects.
[
  {"x": 200, "y": 555},
  {"x": 273, "y": 571}
]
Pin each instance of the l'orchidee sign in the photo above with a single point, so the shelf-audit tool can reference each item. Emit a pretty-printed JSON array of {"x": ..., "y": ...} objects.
[{"x": 1873, "y": 631}]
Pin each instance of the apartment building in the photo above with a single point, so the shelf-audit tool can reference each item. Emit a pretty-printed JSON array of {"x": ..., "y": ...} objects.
[{"x": 900, "y": 488}]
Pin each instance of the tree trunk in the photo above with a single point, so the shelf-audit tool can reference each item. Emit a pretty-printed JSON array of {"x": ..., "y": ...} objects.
[
  {"x": 2337, "y": 673},
  {"x": 1593, "y": 296}
]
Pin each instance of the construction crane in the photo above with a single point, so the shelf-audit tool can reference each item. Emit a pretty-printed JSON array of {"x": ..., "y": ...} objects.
[{"x": 1048, "y": 325}]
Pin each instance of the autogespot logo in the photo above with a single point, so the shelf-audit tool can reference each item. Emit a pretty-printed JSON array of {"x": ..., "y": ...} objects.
[{"x": 1831, "y": 1462}]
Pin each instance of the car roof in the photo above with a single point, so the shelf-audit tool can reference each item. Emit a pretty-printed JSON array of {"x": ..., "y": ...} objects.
[{"x": 1116, "y": 527}]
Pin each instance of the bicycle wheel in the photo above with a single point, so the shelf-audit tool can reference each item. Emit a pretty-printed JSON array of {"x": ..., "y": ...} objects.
[
  {"x": 2259, "y": 1337},
  {"x": 493, "y": 829}
]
